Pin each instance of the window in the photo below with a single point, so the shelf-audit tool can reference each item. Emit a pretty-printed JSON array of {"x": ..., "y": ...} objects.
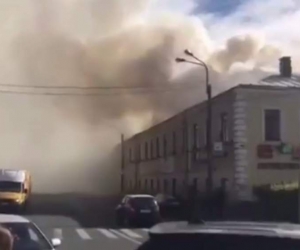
[
  {"x": 158, "y": 185},
  {"x": 174, "y": 143},
  {"x": 165, "y": 185},
  {"x": 146, "y": 151},
  {"x": 139, "y": 153},
  {"x": 130, "y": 154},
  {"x": 272, "y": 125},
  {"x": 183, "y": 139},
  {"x": 157, "y": 147},
  {"x": 204, "y": 136},
  {"x": 174, "y": 186},
  {"x": 165, "y": 146},
  {"x": 196, "y": 142},
  {"x": 224, "y": 129},
  {"x": 139, "y": 184},
  {"x": 151, "y": 184},
  {"x": 146, "y": 184},
  {"x": 195, "y": 182},
  {"x": 26, "y": 236},
  {"x": 151, "y": 150}
]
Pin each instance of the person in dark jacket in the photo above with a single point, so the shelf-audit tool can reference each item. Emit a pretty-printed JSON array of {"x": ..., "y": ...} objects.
[
  {"x": 194, "y": 209},
  {"x": 220, "y": 199}
]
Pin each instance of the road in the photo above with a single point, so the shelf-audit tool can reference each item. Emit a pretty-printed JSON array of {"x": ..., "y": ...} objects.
[{"x": 83, "y": 222}]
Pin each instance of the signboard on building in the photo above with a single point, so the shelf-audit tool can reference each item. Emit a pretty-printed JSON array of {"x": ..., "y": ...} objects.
[
  {"x": 265, "y": 151},
  {"x": 218, "y": 149}
]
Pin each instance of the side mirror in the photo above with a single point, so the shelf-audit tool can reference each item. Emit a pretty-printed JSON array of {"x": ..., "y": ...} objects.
[{"x": 55, "y": 242}]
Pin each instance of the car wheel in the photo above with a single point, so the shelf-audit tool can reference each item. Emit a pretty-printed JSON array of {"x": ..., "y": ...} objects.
[
  {"x": 119, "y": 221},
  {"x": 126, "y": 222}
]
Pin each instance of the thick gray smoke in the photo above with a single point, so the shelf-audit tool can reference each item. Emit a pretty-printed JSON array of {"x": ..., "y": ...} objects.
[{"x": 67, "y": 141}]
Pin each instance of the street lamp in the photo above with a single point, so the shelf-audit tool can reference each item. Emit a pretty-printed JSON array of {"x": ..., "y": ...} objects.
[{"x": 209, "y": 184}]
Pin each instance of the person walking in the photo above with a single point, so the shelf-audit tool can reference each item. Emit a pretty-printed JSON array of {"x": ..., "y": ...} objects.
[{"x": 220, "y": 199}]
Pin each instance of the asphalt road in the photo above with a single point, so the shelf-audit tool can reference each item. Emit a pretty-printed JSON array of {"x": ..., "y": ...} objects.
[{"x": 83, "y": 222}]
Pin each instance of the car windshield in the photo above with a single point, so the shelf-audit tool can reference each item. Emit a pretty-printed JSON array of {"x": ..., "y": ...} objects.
[
  {"x": 220, "y": 242},
  {"x": 27, "y": 237},
  {"x": 143, "y": 201},
  {"x": 10, "y": 186}
]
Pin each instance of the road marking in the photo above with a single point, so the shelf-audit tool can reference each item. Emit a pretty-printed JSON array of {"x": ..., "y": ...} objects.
[
  {"x": 83, "y": 234},
  {"x": 125, "y": 237},
  {"x": 107, "y": 233},
  {"x": 145, "y": 229},
  {"x": 58, "y": 233},
  {"x": 130, "y": 233}
]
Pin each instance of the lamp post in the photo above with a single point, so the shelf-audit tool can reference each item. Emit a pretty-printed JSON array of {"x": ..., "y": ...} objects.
[{"x": 209, "y": 184}]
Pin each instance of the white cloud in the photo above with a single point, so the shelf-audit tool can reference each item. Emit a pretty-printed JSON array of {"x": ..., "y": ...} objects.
[{"x": 276, "y": 20}]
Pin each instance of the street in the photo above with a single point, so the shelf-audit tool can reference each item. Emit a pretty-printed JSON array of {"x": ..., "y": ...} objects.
[{"x": 83, "y": 222}]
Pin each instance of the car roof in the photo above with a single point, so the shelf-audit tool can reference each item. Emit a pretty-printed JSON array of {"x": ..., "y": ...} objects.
[
  {"x": 287, "y": 230},
  {"x": 11, "y": 218},
  {"x": 140, "y": 196}
]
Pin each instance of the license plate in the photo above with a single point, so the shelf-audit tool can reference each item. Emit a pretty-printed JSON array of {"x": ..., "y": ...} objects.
[{"x": 145, "y": 211}]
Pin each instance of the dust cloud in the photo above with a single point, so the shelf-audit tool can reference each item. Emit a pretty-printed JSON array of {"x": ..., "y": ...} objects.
[{"x": 68, "y": 141}]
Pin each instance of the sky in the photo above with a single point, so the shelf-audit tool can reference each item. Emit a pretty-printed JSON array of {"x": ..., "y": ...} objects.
[
  {"x": 273, "y": 21},
  {"x": 217, "y": 7}
]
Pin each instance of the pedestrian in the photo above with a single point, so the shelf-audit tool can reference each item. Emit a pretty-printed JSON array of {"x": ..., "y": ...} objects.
[
  {"x": 221, "y": 196},
  {"x": 6, "y": 239},
  {"x": 194, "y": 210}
]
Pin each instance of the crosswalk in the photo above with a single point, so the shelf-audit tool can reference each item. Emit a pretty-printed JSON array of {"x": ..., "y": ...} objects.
[{"x": 87, "y": 234}]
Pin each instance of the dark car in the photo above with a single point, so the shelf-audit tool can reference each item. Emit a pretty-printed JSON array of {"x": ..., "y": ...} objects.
[
  {"x": 223, "y": 236},
  {"x": 136, "y": 210},
  {"x": 169, "y": 205}
]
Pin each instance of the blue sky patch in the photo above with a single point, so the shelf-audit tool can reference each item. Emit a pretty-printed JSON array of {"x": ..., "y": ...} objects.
[{"x": 218, "y": 7}]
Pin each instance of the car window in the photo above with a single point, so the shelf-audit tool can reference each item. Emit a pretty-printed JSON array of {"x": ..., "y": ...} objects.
[
  {"x": 27, "y": 237},
  {"x": 143, "y": 201},
  {"x": 124, "y": 200},
  {"x": 220, "y": 242}
]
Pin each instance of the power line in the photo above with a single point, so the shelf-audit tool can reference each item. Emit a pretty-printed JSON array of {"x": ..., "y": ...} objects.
[
  {"x": 81, "y": 87},
  {"x": 92, "y": 94}
]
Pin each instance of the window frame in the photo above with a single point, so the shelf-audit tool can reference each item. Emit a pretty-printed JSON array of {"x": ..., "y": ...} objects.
[{"x": 280, "y": 124}]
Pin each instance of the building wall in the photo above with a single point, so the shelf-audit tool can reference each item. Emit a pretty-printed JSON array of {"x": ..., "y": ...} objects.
[
  {"x": 288, "y": 102},
  {"x": 184, "y": 159}
]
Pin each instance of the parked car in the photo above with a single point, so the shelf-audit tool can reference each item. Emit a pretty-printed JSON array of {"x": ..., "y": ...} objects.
[
  {"x": 26, "y": 234},
  {"x": 169, "y": 205},
  {"x": 223, "y": 236},
  {"x": 137, "y": 209}
]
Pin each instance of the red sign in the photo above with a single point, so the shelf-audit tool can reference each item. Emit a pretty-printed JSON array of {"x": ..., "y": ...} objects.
[
  {"x": 296, "y": 153},
  {"x": 265, "y": 151}
]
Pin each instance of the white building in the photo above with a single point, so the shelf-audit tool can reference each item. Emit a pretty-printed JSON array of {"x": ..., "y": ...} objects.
[{"x": 256, "y": 135}]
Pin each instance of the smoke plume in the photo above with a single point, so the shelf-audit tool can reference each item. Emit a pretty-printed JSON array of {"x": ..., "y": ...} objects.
[{"x": 66, "y": 141}]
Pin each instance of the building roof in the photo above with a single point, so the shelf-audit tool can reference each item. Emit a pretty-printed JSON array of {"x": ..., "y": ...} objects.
[
  {"x": 277, "y": 80},
  {"x": 287, "y": 230},
  {"x": 273, "y": 82},
  {"x": 11, "y": 218}
]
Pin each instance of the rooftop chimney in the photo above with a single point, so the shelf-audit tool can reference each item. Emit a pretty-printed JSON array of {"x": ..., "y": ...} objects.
[{"x": 285, "y": 66}]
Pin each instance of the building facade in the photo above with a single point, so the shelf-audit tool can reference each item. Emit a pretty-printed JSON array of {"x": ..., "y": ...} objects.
[{"x": 256, "y": 141}]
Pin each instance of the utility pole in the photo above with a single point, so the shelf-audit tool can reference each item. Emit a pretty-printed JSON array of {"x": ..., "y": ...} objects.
[
  {"x": 209, "y": 135},
  {"x": 186, "y": 152},
  {"x": 122, "y": 163},
  {"x": 137, "y": 162},
  {"x": 209, "y": 149}
]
